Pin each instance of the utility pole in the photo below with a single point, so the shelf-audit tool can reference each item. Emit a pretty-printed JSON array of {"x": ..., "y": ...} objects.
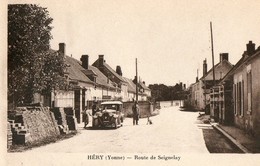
[
  {"x": 212, "y": 51},
  {"x": 136, "y": 80},
  {"x": 213, "y": 68}
]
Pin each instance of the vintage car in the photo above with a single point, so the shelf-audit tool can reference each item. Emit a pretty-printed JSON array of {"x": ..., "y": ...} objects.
[{"x": 110, "y": 115}]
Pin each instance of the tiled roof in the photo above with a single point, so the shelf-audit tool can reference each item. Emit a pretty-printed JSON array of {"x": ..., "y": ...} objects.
[
  {"x": 75, "y": 70},
  {"x": 114, "y": 72},
  {"x": 89, "y": 72},
  {"x": 101, "y": 79}
]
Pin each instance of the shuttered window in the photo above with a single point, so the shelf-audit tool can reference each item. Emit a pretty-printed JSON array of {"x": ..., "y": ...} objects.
[{"x": 239, "y": 98}]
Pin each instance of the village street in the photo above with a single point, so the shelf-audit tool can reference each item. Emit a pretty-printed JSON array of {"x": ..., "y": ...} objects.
[{"x": 172, "y": 131}]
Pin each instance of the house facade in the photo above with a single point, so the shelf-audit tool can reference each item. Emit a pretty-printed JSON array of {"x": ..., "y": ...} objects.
[
  {"x": 131, "y": 89},
  {"x": 246, "y": 91},
  {"x": 235, "y": 100}
]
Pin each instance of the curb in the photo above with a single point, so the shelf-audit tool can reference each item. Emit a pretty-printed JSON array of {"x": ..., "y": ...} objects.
[{"x": 234, "y": 141}]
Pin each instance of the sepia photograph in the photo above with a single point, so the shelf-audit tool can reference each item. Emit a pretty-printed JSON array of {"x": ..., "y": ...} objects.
[{"x": 138, "y": 82}]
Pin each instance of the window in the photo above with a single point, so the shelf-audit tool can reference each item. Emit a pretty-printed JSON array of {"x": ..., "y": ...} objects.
[
  {"x": 239, "y": 102},
  {"x": 239, "y": 98}
]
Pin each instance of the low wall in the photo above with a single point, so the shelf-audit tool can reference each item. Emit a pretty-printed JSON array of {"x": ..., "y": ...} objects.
[
  {"x": 32, "y": 125},
  {"x": 60, "y": 117},
  {"x": 146, "y": 108}
]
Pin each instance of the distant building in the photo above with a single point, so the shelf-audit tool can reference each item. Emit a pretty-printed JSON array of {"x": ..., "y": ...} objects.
[
  {"x": 145, "y": 91},
  {"x": 131, "y": 89},
  {"x": 200, "y": 97},
  {"x": 125, "y": 86}
]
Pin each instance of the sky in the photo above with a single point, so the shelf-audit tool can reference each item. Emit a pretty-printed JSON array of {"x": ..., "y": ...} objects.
[{"x": 169, "y": 38}]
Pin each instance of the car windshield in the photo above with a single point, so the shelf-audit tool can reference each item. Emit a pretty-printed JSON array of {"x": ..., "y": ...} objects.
[{"x": 110, "y": 106}]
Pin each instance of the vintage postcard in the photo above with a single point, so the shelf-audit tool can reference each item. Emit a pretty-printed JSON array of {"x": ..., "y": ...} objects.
[{"x": 112, "y": 82}]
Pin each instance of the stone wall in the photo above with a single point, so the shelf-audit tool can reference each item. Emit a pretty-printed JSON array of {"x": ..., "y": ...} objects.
[
  {"x": 146, "y": 109},
  {"x": 9, "y": 136}
]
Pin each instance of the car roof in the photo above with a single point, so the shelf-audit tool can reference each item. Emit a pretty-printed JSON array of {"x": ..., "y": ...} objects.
[{"x": 111, "y": 102}]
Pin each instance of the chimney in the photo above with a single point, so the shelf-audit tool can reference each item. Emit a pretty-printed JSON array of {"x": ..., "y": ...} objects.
[
  {"x": 223, "y": 56},
  {"x": 101, "y": 60},
  {"x": 197, "y": 79},
  {"x": 62, "y": 48},
  {"x": 84, "y": 60},
  {"x": 250, "y": 48},
  {"x": 205, "y": 67},
  {"x": 119, "y": 71},
  {"x": 184, "y": 86},
  {"x": 135, "y": 80}
]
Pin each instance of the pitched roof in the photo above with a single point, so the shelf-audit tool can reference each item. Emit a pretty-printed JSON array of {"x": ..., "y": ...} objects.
[
  {"x": 101, "y": 79},
  {"x": 75, "y": 70},
  {"x": 109, "y": 69},
  {"x": 233, "y": 69},
  {"x": 245, "y": 58},
  {"x": 216, "y": 66},
  {"x": 89, "y": 72},
  {"x": 143, "y": 86},
  {"x": 130, "y": 85},
  {"x": 114, "y": 72},
  {"x": 241, "y": 61}
]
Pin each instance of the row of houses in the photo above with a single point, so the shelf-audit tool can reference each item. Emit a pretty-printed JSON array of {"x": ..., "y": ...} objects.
[
  {"x": 234, "y": 97},
  {"x": 92, "y": 83}
]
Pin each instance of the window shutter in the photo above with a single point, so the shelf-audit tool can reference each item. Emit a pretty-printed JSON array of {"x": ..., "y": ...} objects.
[
  {"x": 242, "y": 98},
  {"x": 234, "y": 98}
]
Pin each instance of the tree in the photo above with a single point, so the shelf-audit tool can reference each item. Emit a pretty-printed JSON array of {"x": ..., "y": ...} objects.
[
  {"x": 162, "y": 92},
  {"x": 32, "y": 66}
]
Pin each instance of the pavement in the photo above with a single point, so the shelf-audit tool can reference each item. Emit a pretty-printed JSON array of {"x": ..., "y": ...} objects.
[{"x": 246, "y": 143}]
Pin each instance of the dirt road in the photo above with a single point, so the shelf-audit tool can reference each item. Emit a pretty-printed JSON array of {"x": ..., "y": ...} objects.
[{"x": 172, "y": 131}]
